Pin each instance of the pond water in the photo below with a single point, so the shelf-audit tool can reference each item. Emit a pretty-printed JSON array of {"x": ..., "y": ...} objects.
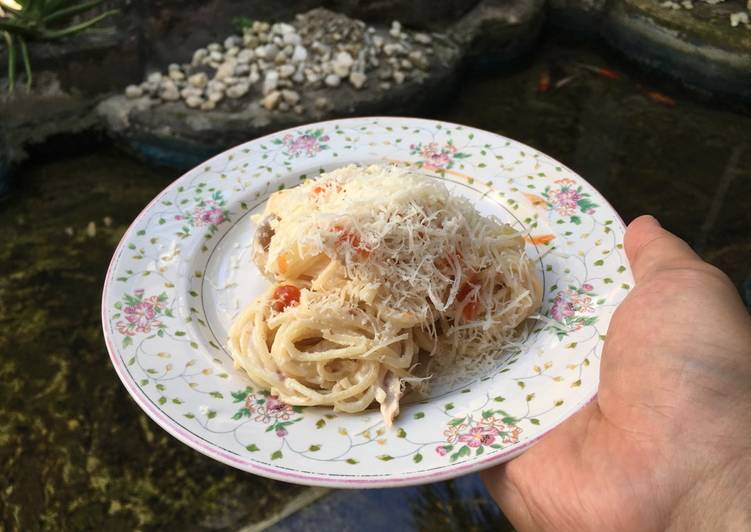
[{"x": 77, "y": 453}]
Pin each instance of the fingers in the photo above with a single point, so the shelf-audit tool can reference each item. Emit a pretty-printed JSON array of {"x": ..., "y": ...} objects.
[{"x": 651, "y": 248}]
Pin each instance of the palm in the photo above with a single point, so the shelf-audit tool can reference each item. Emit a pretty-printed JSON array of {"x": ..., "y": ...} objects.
[{"x": 660, "y": 389}]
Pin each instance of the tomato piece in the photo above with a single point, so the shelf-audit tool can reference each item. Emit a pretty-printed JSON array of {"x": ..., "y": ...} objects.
[
  {"x": 284, "y": 296},
  {"x": 352, "y": 239}
]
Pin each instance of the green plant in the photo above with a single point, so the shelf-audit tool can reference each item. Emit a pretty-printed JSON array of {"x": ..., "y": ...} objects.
[{"x": 30, "y": 20}]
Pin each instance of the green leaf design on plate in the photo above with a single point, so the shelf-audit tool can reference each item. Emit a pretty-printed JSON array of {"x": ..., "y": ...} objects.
[
  {"x": 320, "y": 423},
  {"x": 276, "y": 455},
  {"x": 419, "y": 415},
  {"x": 401, "y": 433},
  {"x": 417, "y": 458},
  {"x": 314, "y": 448},
  {"x": 385, "y": 457},
  {"x": 351, "y": 461},
  {"x": 252, "y": 447}
]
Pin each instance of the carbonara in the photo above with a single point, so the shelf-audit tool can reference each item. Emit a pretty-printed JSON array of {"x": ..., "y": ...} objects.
[{"x": 380, "y": 279}]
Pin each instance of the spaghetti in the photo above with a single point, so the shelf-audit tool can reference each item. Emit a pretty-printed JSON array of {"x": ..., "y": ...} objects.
[{"x": 381, "y": 278}]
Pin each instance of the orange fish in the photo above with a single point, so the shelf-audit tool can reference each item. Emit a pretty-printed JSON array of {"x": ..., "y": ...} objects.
[
  {"x": 660, "y": 98},
  {"x": 539, "y": 239}
]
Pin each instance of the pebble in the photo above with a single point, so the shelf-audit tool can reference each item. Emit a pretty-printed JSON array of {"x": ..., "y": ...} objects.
[
  {"x": 133, "y": 91},
  {"x": 385, "y": 85},
  {"x": 198, "y": 80},
  {"x": 299, "y": 109},
  {"x": 399, "y": 76},
  {"x": 299, "y": 54},
  {"x": 216, "y": 96},
  {"x": 417, "y": 57},
  {"x": 270, "y": 82},
  {"x": 214, "y": 47},
  {"x": 199, "y": 55},
  {"x": 392, "y": 49},
  {"x": 245, "y": 56},
  {"x": 216, "y": 86},
  {"x": 169, "y": 91},
  {"x": 216, "y": 56},
  {"x": 286, "y": 71},
  {"x": 242, "y": 69},
  {"x": 283, "y": 106},
  {"x": 208, "y": 106},
  {"x": 321, "y": 103},
  {"x": 271, "y": 100},
  {"x": 226, "y": 69},
  {"x": 187, "y": 92},
  {"x": 232, "y": 52},
  {"x": 396, "y": 29},
  {"x": 238, "y": 91},
  {"x": 266, "y": 52},
  {"x": 232, "y": 41},
  {"x": 342, "y": 63},
  {"x": 358, "y": 79},
  {"x": 176, "y": 75},
  {"x": 332, "y": 80},
  {"x": 290, "y": 96},
  {"x": 423, "y": 38},
  {"x": 154, "y": 78},
  {"x": 193, "y": 101}
]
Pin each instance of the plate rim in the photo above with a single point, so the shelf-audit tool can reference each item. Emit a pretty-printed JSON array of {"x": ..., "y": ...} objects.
[{"x": 279, "y": 473}]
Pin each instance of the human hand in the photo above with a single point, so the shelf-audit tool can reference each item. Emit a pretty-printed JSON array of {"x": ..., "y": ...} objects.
[{"x": 666, "y": 444}]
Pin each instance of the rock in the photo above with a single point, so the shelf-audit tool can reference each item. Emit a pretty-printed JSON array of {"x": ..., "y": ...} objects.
[
  {"x": 286, "y": 71},
  {"x": 216, "y": 85},
  {"x": 299, "y": 109},
  {"x": 198, "y": 80},
  {"x": 238, "y": 91},
  {"x": 396, "y": 29},
  {"x": 176, "y": 75},
  {"x": 322, "y": 103},
  {"x": 267, "y": 52},
  {"x": 226, "y": 69},
  {"x": 283, "y": 28},
  {"x": 193, "y": 101},
  {"x": 292, "y": 39},
  {"x": 299, "y": 54},
  {"x": 187, "y": 92},
  {"x": 208, "y": 106},
  {"x": 271, "y": 100},
  {"x": 422, "y": 38},
  {"x": 270, "y": 82},
  {"x": 406, "y": 64},
  {"x": 254, "y": 76},
  {"x": 283, "y": 106},
  {"x": 378, "y": 42},
  {"x": 199, "y": 55},
  {"x": 133, "y": 91},
  {"x": 290, "y": 96},
  {"x": 417, "y": 57},
  {"x": 245, "y": 56},
  {"x": 399, "y": 76},
  {"x": 154, "y": 78},
  {"x": 170, "y": 93},
  {"x": 299, "y": 76},
  {"x": 341, "y": 64},
  {"x": 216, "y": 96},
  {"x": 332, "y": 80},
  {"x": 232, "y": 52},
  {"x": 214, "y": 47},
  {"x": 391, "y": 49},
  {"x": 216, "y": 56},
  {"x": 385, "y": 85},
  {"x": 358, "y": 79},
  {"x": 232, "y": 41},
  {"x": 242, "y": 69}
]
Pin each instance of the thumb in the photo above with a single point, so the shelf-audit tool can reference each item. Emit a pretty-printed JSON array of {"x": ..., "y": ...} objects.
[{"x": 650, "y": 248}]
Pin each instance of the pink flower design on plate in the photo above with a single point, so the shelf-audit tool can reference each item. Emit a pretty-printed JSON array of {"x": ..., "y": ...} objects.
[
  {"x": 308, "y": 143},
  {"x": 140, "y": 315},
  {"x": 441, "y": 450},
  {"x": 477, "y": 436},
  {"x": 452, "y": 432},
  {"x": 437, "y": 156}
]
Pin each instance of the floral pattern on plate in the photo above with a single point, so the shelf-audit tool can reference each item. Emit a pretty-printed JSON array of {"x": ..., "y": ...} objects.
[{"x": 183, "y": 270}]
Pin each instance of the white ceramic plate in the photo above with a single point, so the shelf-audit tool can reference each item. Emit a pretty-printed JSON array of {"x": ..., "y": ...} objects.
[{"x": 182, "y": 271}]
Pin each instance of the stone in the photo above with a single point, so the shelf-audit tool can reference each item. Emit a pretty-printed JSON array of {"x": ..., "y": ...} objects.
[
  {"x": 232, "y": 41},
  {"x": 238, "y": 91},
  {"x": 199, "y": 55},
  {"x": 358, "y": 79},
  {"x": 391, "y": 49},
  {"x": 322, "y": 103},
  {"x": 267, "y": 52},
  {"x": 396, "y": 29},
  {"x": 406, "y": 64},
  {"x": 286, "y": 71},
  {"x": 193, "y": 101},
  {"x": 170, "y": 94},
  {"x": 176, "y": 75},
  {"x": 399, "y": 76},
  {"x": 332, "y": 80},
  {"x": 311, "y": 77},
  {"x": 154, "y": 78},
  {"x": 283, "y": 106},
  {"x": 242, "y": 69},
  {"x": 385, "y": 85},
  {"x": 226, "y": 69},
  {"x": 216, "y": 96},
  {"x": 292, "y": 39},
  {"x": 283, "y": 28},
  {"x": 290, "y": 96},
  {"x": 299, "y": 54},
  {"x": 270, "y": 82},
  {"x": 214, "y": 47},
  {"x": 232, "y": 52},
  {"x": 422, "y": 38},
  {"x": 281, "y": 58},
  {"x": 216, "y": 85},
  {"x": 187, "y": 92},
  {"x": 271, "y": 100},
  {"x": 208, "y": 106},
  {"x": 133, "y": 91},
  {"x": 417, "y": 57},
  {"x": 378, "y": 42},
  {"x": 299, "y": 109},
  {"x": 245, "y": 56},
  {"x": 342, "y": 63},
  {"x": 198, "y": 80},
  {"x": 216, "y": 56}
]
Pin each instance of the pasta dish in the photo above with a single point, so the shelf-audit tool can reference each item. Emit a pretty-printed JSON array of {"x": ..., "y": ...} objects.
[{"x": 380, "y": 279}]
